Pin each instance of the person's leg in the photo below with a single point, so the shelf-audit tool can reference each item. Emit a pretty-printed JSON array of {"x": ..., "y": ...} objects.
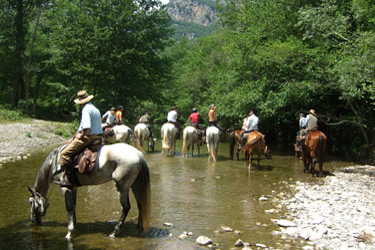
[{"x": 66, "y": 159}]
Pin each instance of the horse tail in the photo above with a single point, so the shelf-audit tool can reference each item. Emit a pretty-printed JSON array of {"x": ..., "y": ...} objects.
[
  {"x": 135, "y": 140},
  {"x": 165, "y": 139},
  {"x": 252, "y": 142},
  {"x": 144, "y": 194},
  {"x": 184, "y": 143},
  {"x": 232, "y": 141},
  {"x": 212, "y": 143},
  {"x": 139, "y": 136},
  {"x": 320, "y": 150}
]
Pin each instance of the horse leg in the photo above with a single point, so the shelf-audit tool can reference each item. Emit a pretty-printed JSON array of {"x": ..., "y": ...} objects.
[
  {"x": 124, "y": 200},
  {"x": 70, "y": 197},
  {"x": 238, "y": 153}
]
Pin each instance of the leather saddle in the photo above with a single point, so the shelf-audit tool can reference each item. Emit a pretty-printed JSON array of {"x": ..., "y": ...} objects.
[{"x": 85, "y": 161}]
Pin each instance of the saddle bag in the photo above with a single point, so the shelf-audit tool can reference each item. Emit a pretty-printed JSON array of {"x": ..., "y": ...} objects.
[{"x": 85, "y": 162}]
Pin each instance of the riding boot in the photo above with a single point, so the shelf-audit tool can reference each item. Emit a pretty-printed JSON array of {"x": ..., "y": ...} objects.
[{"x": 66, "y": 180}]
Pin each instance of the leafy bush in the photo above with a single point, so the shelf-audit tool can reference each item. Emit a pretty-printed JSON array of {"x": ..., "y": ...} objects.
[{"x": 7, "y": 114}]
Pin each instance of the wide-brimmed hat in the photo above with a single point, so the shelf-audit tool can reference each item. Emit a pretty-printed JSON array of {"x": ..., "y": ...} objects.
[
  {"x": 113, "y": 109},
  {"x": 174, "y": 107},
  {"x": 212, "y": 105},
  {"x": 83, "y": 97},
  {"x": 195, "y": 110},
  {"x": 302, "y": 114},
  {"x": 312, "y": 111}
]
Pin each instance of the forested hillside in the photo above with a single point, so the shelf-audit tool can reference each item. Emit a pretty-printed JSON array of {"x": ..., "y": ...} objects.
[{"x": 279, "y": 57}]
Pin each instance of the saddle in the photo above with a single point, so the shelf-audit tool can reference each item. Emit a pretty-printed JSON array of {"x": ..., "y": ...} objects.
[{"x": 85, "y": 161}]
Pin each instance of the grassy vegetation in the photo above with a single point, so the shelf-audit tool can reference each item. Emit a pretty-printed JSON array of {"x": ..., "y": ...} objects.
[
  {"x": 64, "y": 129},
  {"x": 8, "y": 115}
]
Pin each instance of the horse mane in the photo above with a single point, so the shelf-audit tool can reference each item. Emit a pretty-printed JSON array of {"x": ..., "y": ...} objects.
[{"x": 44, "y": 177}]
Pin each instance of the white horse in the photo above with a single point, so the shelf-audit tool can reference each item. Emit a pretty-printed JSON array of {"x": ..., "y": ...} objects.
[
  {"x": 212, "y": 139},
  {"x": 168, "y": 135},
  {"x": 123, "y": 133},
  {"x": 190, "y": 136},
  {"x": 119, "y": 162},
  {"x": 143, "y": 133}
]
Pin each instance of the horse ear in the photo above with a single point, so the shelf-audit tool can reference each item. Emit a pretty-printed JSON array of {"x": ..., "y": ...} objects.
[{"x": 32, "y": 191}]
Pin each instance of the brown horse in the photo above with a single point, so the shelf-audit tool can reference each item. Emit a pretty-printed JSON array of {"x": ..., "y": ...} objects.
[
  {"x": 256, "y": 141},
  {"x": 314, "y": 150},
  {"x": 235, "y": 139}
]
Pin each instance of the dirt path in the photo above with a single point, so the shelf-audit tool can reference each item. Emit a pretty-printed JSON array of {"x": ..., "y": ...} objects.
[{"x": 18, "y": 140}]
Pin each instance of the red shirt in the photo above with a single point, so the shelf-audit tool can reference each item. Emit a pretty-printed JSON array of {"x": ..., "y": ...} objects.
[{"x": 194, "y": 117}]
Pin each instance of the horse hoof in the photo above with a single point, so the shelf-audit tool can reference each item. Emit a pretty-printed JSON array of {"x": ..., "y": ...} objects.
[
  {"x": 68, "y": 236},
  {"x": 112, "y": 235}
]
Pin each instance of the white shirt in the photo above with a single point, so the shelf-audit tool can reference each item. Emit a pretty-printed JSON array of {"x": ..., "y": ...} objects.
[
  {"x": 110, "y": 118},
  {"x": 252, "y": 123},
  {"x": 172, "y": 116}
]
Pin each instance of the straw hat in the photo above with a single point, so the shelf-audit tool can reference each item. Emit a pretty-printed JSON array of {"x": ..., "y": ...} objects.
[
  {"x": 83, "y": 97},
  {"x": 174, "y": 107},
  {"x": 312, "y": 111}
]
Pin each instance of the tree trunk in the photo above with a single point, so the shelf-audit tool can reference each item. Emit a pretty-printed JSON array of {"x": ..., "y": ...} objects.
[
  {"x": 20, "y": 40},
  {"x": 28, "y": 67}
]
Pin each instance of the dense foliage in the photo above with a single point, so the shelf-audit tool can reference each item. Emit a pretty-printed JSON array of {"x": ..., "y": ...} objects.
[
  {"x": 279, "y": 57},
  {"x": 283, "y": 58}
]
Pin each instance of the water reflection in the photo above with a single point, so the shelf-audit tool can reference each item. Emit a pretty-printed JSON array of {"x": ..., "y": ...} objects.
[{"x": 193, "y": 194}]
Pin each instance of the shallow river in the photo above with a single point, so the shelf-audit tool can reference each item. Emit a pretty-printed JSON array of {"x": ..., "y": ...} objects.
[{"x": 191, "y": 194}]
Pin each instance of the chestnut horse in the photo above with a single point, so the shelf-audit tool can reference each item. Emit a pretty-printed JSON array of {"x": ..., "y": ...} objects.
[
  {"x": 314, "y": 150},
  {"x": 256, "y": 141},
  {"x": 235, "y": 139}
]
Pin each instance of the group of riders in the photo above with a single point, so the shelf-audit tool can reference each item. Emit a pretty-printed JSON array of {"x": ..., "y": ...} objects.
[{"x": 91, "y": 128}]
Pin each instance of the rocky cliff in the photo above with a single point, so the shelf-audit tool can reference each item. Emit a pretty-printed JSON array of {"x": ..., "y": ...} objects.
[
  {"x": 192, "y": 18},
  {"x": 193, "y": 11}
]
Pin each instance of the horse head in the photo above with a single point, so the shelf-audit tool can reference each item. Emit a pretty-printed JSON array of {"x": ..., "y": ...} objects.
[
  {"x": 267, "y": 152},
  {"x": 39, "y": 206}
]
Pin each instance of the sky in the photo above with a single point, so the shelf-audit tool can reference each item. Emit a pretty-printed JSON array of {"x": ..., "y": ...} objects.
[{"x": 164, "y": 1}]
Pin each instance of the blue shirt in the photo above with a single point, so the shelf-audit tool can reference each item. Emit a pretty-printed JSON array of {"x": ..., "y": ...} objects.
[
  {"x": 302, "y": 123},
  {"x": 91, "y": 119}
]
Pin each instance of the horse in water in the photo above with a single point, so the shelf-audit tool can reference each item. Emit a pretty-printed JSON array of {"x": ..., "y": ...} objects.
[
  {"x": 212, "y": 139},
  {"x": 235, "y": 139},
  {"x": 122, "y": 133},
  {"x": 313, "y": 151},
  {"x": 119, "y": 162},
  {"x": 256, "y": 142},
  {"x": 143, "y": 133},
  {"x": 169, "y": 137},
  {"x": 190, "y": 137}
]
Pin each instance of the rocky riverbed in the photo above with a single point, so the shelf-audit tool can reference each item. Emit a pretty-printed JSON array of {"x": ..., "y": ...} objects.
[
  {"x": 336, "y": 213},
  {"x": 18, "y": 140}
]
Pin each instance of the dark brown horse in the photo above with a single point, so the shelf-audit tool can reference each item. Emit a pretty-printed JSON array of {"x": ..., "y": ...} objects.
[
  {"x": 235, "y": 139},
  {"x": 314, "y": 150},
  {"x": 256, "y": 142}
]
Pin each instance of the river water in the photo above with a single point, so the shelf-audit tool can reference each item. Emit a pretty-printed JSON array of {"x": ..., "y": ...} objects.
[{"x": 192, "y": 194}]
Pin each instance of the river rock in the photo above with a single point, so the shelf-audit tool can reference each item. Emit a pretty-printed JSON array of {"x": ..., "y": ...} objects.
[
  {"x": 203, "y": 240},
  {"x": 239, "y": 243},
  {"x": 285, "y": 223},
  {"x": 226, "y": 229}
]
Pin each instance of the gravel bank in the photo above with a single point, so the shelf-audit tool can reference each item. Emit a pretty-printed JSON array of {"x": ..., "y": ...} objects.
[
  {"x": 18, "y": 140},
  {"x": 336, "y": 213}
]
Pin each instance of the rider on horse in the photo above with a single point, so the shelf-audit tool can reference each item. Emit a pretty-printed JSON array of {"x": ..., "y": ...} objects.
[
  {"x": 119, "y": 114},
  {"x": 311, "y": 125},
  {"x": 250, "y": 125},
  {"x": 302, "y": 123},
  {"x": 194, "y": 122},
  {"x": 172, "y": 118},
  {"x": 89, "y": 131},
  {"x": 146, "y": 120},
  {"x": 110, "y": 118}
]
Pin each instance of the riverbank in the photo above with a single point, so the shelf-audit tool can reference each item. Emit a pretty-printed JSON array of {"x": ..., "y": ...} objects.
[
  {"x": 336, "y": 213},
  {"x": 19, "y": 140}
]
